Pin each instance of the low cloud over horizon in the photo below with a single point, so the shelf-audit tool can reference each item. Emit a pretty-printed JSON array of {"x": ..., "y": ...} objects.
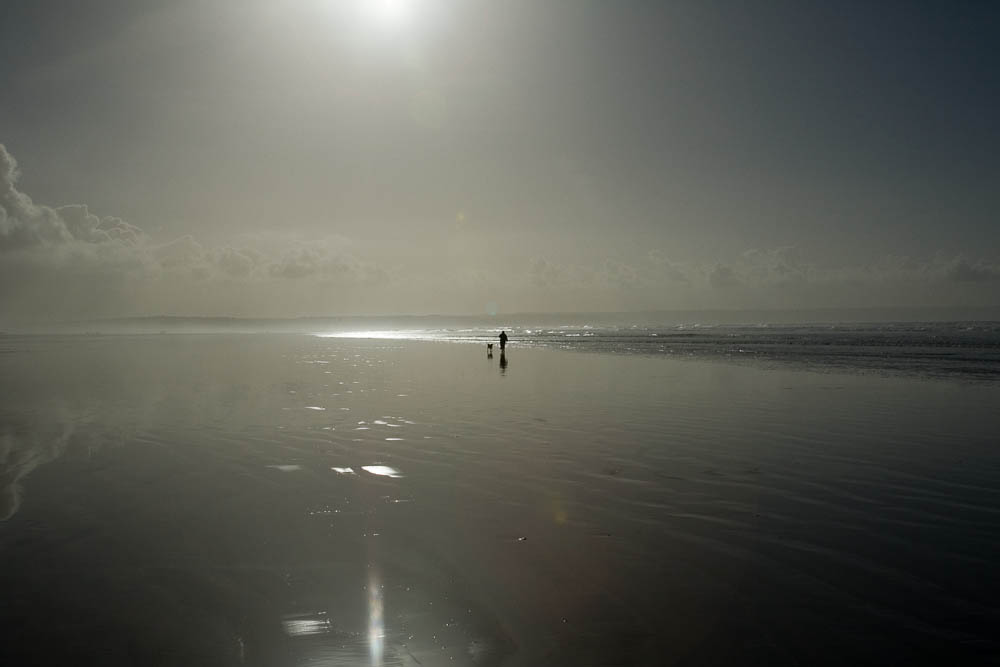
[{"x": 65, "y": 262}]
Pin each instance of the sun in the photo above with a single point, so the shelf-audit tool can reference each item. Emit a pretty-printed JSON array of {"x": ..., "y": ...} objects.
[{"x": 390, "y": 12}]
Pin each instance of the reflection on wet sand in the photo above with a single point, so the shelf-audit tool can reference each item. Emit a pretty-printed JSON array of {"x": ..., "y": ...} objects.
[
  {"x": 376, "y": 621},
  {"x": 386, "y": 471},
  {"x": 586, "y": 509},
  {"x": 27, "y": 444},
  {"x": 305, "y": 625},
  {"x": 19, "y": 455}
]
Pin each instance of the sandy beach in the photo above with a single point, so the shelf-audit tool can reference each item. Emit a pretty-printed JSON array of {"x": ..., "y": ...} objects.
[{"x": 295, "y": 500}]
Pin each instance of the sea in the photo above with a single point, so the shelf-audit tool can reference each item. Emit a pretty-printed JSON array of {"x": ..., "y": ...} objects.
[
  {"x": 604, "y": 491},
  {"x": 969, "y": 351}
]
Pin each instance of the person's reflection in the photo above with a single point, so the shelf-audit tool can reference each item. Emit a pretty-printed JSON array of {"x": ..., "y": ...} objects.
[{"x": 503, "y": 362}]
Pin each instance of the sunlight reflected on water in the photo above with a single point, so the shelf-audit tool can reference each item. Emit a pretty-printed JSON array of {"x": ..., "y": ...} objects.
[
  {"x": 414, "y": 334},
  {"x": 376, "y": 623},
  {"x": 385, "y": 471}
]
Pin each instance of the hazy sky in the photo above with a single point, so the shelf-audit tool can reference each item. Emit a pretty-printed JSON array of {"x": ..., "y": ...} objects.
[{"x": 313, "y": 157}]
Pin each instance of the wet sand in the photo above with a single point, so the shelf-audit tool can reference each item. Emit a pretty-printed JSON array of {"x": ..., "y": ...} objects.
[{"x": 291, "y": 500}]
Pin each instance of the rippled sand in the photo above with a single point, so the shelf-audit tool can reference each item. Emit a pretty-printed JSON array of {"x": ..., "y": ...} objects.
[{"x": 291, "y": 500}]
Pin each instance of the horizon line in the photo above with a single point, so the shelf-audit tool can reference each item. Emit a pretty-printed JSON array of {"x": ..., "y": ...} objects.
[{"x": 993, "y": 311}]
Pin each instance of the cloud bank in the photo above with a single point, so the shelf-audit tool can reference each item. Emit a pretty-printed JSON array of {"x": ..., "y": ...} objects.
[{"x": 67, "y": 263}]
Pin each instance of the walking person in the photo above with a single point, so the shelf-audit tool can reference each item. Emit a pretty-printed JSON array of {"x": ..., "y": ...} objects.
[{"x": 503, "y": 340}]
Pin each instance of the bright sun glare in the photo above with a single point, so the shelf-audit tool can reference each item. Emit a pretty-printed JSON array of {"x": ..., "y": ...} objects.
[{"x": 390, "y": 11}]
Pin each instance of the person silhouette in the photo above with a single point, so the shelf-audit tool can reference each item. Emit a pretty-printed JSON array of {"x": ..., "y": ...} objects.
[{"x": 503, "y": 340}]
